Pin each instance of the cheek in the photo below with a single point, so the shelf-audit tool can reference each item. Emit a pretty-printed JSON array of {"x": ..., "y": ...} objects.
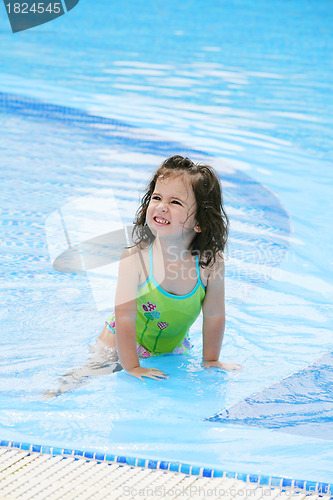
[
  {"x": 189, "y": 221},
  {"x": 149, "y": 212}
]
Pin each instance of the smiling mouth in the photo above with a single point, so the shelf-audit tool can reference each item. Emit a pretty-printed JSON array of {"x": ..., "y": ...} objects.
[{"x": 160, "y": 220}]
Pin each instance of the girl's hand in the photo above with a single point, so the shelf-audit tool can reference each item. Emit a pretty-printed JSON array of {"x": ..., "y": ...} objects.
[
  {"x": 140, "y": 372},
  {"x": 221, "y": 365}
]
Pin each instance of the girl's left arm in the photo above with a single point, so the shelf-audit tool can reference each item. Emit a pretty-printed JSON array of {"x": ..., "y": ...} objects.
[{"x": 213, "y": 310}]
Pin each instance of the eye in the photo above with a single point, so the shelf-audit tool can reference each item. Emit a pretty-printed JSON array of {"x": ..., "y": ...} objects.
[
  {"x": 155, "y": 197},
  {"x": 176, "y": 202}
]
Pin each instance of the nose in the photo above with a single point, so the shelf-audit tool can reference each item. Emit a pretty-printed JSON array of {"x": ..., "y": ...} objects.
[{"x": 162, "y": 206}]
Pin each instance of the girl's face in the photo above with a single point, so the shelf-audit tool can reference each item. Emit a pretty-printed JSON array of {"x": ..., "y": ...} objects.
[{"x": 172, "y": 208}]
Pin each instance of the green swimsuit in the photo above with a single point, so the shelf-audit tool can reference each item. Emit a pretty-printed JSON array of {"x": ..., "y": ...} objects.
[{"x": 163, "y": 319}]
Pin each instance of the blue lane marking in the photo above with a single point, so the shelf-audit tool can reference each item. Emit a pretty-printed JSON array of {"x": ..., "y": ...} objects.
[{"x": 267, "y": 245}]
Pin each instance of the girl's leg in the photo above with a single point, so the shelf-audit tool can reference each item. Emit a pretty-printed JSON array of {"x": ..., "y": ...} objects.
[
  {"x": 107, "y": 337},
  {"x": 104, "y": 360}
]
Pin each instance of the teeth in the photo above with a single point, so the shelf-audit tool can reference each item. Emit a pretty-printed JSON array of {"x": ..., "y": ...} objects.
[{"x": 161, "y": 221}]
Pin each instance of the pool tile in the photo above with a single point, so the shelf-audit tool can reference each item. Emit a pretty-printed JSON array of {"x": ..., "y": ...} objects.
[
  {"x": 185, "y": 469},
  {"x": 164, "y": 465},
  {"x": 207, "y": 472},
  {"x": 152, "y": 464}
]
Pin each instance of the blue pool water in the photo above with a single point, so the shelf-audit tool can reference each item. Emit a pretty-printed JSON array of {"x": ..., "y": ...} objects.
[{"x": 90, "y": 104}]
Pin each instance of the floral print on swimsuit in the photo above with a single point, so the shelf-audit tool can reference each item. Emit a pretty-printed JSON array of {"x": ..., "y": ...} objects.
[{"x": 143, "y": 353}]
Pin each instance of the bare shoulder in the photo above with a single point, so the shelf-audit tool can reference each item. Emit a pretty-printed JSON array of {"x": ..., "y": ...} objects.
[
  {"x": 133, "y": 251},
  {"x": 135, "y": 259},
  {"x": 219, "y": 264},
  {"x": 214, "y": 273},
  {"x": 128, "y": 277},
  {"x": 129, "y": 258},
  {"x": 214, "y": 298}
]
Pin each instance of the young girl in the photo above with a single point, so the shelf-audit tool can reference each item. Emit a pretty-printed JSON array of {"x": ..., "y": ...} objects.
[{"x": 174, "y": 270}]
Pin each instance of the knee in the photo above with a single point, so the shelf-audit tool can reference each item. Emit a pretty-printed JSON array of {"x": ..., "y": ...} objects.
[{"x": 107, "y": 337}]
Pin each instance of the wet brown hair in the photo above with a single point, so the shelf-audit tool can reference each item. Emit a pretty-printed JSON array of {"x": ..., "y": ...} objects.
[{"x": 210, "y": 215}]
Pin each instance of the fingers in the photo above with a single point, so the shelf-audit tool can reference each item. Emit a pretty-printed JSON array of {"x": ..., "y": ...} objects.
[
  {"x": 222, "y": 366},
  {"x": 153, "y": 373},
  {"x": 147, "y": 376},
  {"x": 233, "y": 366},
  {"x": 156, "y": 375},
  {"x": 159, "y": 373}
]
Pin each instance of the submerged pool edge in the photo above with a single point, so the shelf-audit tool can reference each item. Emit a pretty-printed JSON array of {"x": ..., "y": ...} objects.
[{"x": 283, "y": 483}]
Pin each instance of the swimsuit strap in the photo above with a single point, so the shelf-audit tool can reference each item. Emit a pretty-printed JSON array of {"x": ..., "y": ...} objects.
[
  {"x": 150, "y": 261},
  {"x": 143, "y": 265},
  {"x": 198, "y": 269}
]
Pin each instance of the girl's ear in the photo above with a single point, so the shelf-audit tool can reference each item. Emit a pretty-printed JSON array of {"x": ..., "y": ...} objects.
[{"x": 197, "y": 228}]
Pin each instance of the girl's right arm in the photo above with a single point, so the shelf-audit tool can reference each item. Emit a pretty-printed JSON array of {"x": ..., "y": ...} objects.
[{"x": 125, "y": 313}]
